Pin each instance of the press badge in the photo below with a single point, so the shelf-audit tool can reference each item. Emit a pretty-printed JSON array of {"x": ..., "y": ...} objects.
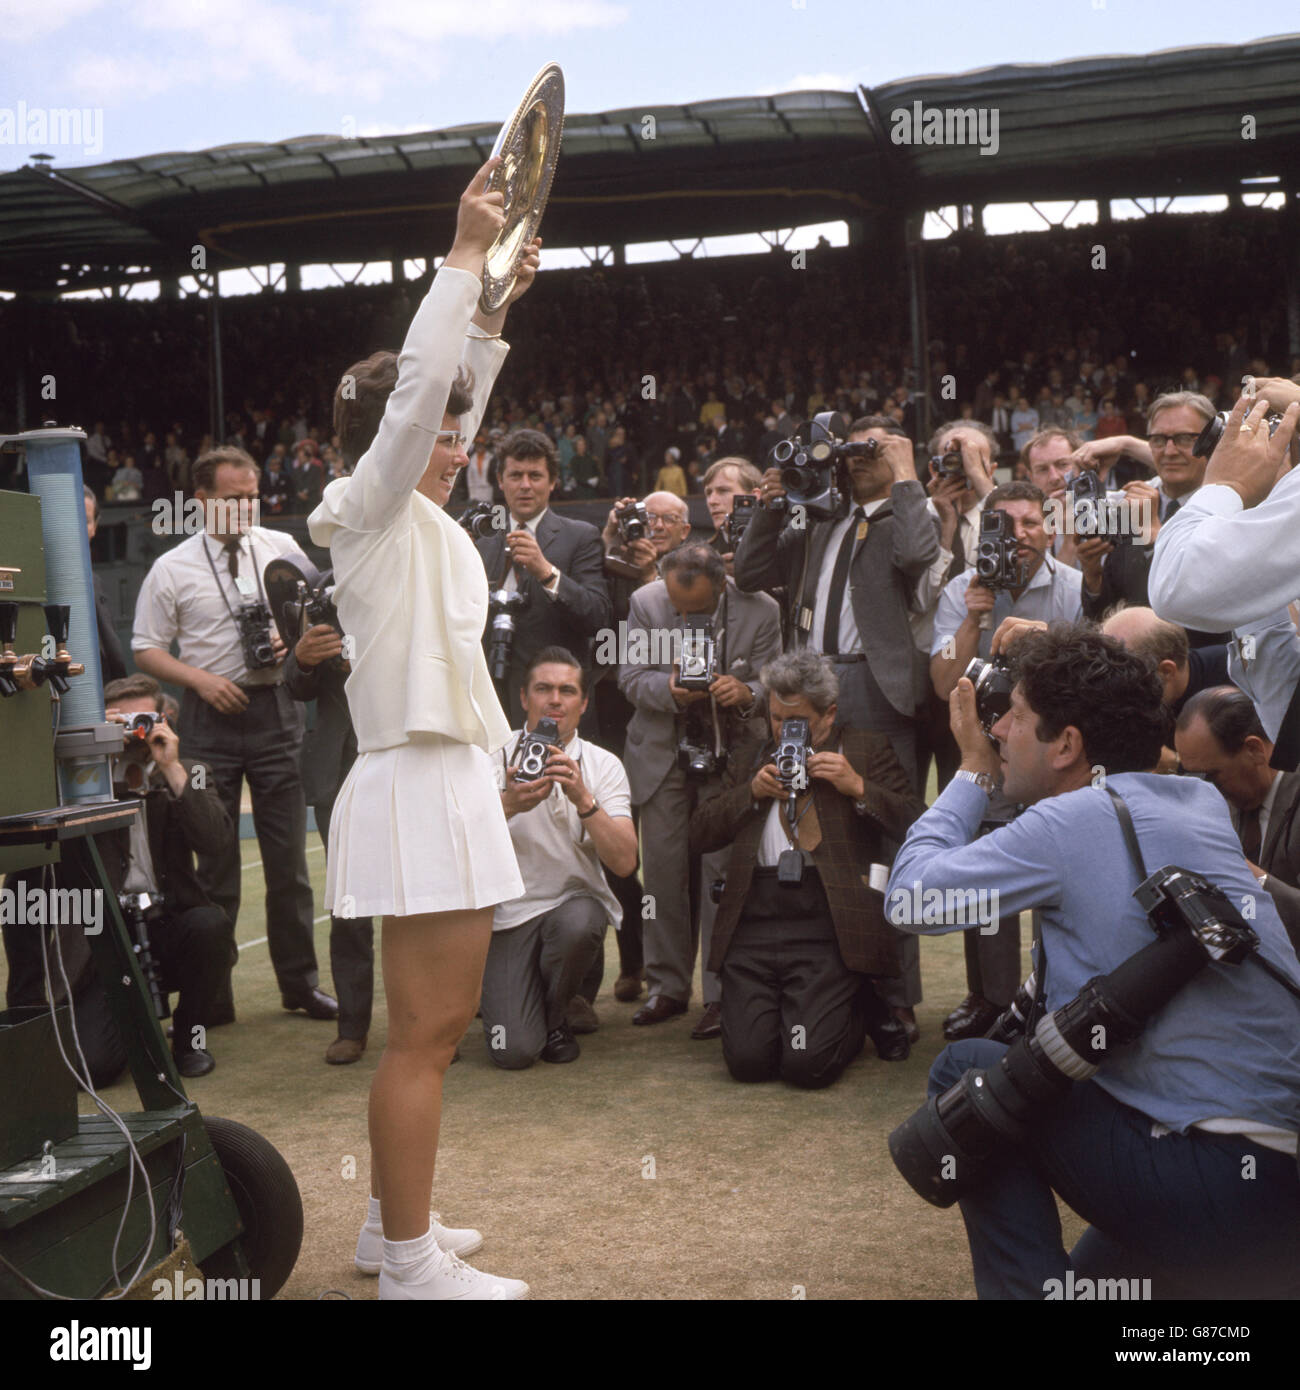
[{"x": 245, "y": 586}]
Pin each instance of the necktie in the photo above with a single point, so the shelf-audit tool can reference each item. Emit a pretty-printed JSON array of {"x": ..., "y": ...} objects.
[
  {"x": 231, "y": 548},
  {"x": 1250, "y": 836},
  {"x": 809, "y": 829},
  {"x": 839, "y": 579},
  {"x": 958, "y": 551},
  {"x": 510, "y": 571},
  {"x": 1173, "y": 507}
]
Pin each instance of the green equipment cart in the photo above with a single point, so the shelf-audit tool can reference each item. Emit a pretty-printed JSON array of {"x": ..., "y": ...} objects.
[{"x": 64, "y": 1177}]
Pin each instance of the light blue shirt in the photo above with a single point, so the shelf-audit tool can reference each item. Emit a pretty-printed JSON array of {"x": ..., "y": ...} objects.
[
  {"x": 1054, "y": 592},
  {"x": 1264, "y": 660},
  {"x": 1228, "y": 1043}
]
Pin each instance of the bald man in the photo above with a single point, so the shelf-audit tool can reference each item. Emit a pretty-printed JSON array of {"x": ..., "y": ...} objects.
[
  {"x": 670, "y": 525},
  {"x": 1183, "y": 669},
  {"x": 1220, "y": 738}
]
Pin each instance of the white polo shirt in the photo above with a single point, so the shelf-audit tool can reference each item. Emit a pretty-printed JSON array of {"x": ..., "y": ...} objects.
[
  {"x": 557, "y": 858},
  {"x": 183, "y": 601}
]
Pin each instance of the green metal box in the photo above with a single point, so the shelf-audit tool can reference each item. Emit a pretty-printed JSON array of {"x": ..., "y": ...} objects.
[
  {"x": 27, "y": 776},
  {"x": 39, "y": 1100}
]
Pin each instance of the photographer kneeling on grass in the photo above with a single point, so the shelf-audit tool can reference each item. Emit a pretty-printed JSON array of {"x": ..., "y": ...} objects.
[
  {"x": 568, "y": 810},
  {"x": 800, "y": 940},
  {"x": 1171, "y": 1125}
]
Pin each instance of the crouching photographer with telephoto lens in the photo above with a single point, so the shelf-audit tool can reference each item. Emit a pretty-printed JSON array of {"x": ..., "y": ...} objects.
[{"x": 1156, "y": 1087}]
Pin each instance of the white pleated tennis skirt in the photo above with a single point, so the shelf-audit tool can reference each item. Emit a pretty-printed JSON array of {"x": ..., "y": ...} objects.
[{"x": 419, "y": 828}]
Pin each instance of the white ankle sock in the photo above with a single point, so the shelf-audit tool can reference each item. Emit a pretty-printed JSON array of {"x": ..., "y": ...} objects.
[
  {"x": 409, "y": 1252},
  {"x": 372, "y": 1212}
]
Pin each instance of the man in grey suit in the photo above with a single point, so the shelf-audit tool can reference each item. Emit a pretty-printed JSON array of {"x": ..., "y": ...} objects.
[
  {"x": 851, "y": 583},
  {"x": 1220, "y": 738},
  {"x": 328, "y": 752},
  {"x": 557, "y": 562},
  {"x": 718, "y": 723}
]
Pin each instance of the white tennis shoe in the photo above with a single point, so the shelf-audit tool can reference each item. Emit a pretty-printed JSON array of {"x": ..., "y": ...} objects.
[{"x": 454, "y": 1240}]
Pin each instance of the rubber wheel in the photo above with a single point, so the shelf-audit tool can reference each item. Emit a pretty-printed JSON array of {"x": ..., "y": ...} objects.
[{"x": 269, "y": 1204}]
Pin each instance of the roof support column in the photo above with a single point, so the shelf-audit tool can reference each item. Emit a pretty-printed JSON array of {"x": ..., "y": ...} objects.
[
  {"x": 292, "y": 278},
  {"x": 216, "y": 390},
  {"x": 1291, "y": 240},
  {"x": 914, "y": 251}
]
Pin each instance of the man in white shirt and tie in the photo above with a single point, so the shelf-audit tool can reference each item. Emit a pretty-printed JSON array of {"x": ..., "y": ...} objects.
[{"x": 236, "y": 716}]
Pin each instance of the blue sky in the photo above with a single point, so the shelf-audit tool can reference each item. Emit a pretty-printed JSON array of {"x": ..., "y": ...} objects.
[{"x": 189, "y": 74}]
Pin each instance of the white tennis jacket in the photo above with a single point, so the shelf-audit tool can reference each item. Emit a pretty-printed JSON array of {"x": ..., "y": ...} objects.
[{"x": 410, "y": 587}]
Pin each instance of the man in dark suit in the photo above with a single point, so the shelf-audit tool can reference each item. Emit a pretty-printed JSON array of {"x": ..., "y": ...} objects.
[
  {"x": 191, "y": 943},
  {"x": 112, "y": 666},
  {"x": 717, "y": 723},
  {"x": 328, "y": 752},
  {"x": 796, "y": 957},
  {"x": 1112, "y": 573},
  {"x": 556, "y": 562},
  {"x": 1219, "y": 737}
]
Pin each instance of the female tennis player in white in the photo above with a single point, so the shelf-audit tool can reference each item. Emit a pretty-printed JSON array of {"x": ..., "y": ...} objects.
[{"x": 418, "y": 835}]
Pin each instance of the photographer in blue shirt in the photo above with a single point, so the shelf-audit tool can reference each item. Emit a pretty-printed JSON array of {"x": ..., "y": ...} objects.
[{"x": 1180, "y": 1151}]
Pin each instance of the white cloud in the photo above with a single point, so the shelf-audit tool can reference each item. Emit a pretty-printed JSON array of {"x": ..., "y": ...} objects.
[
  {"x": 442, "y": 19},
  {"x": 23, "y": 20},
  {"x": 814, "y": 82},
  {"x": 100, "y": 79},
  {"x": 372, "y": 129},
  {"x": 406, "y": 32},
  {"x": 248, "y": 40}
]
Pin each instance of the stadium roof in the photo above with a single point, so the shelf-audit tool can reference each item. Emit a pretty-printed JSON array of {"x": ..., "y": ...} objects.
[{"x": 1165, "y": 123}]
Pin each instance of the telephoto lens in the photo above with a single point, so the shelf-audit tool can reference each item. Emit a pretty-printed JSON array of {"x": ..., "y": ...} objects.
[{"x": 950, "y": 1145}]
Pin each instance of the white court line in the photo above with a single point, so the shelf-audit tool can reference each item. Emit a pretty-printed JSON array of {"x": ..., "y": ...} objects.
[
  {"x": 263, "y": 939},
  {"x": 252, "y": 863}
]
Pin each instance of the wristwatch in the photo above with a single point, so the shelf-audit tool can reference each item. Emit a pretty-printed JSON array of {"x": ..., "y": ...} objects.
[
  {"x": 551, "y": 578},
  {"x": 595, "y": 806},
  {"x": 982, "y": 780}
]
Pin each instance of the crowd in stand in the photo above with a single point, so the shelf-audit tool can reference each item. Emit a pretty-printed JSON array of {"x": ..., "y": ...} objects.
[{"x": 699, "y": 360}]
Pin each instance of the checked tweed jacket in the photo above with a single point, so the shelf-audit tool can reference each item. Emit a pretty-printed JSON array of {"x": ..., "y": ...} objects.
[{"x": 850, "y": 844}]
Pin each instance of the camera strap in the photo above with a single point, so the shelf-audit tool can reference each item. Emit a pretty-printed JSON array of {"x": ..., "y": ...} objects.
[
  {"x": 257, "y": 574},
  {"x": 1130, "y": 833}
]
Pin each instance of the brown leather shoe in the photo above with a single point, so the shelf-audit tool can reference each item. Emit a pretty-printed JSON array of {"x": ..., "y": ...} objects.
[
  {"x": 658, "y": 1008},
  {"x": 582, "y": 1017},
  {"x": 710, "y": 1024},
  {"x": 628, "y": 987},
  {"x": 344, "y": 1050}
]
